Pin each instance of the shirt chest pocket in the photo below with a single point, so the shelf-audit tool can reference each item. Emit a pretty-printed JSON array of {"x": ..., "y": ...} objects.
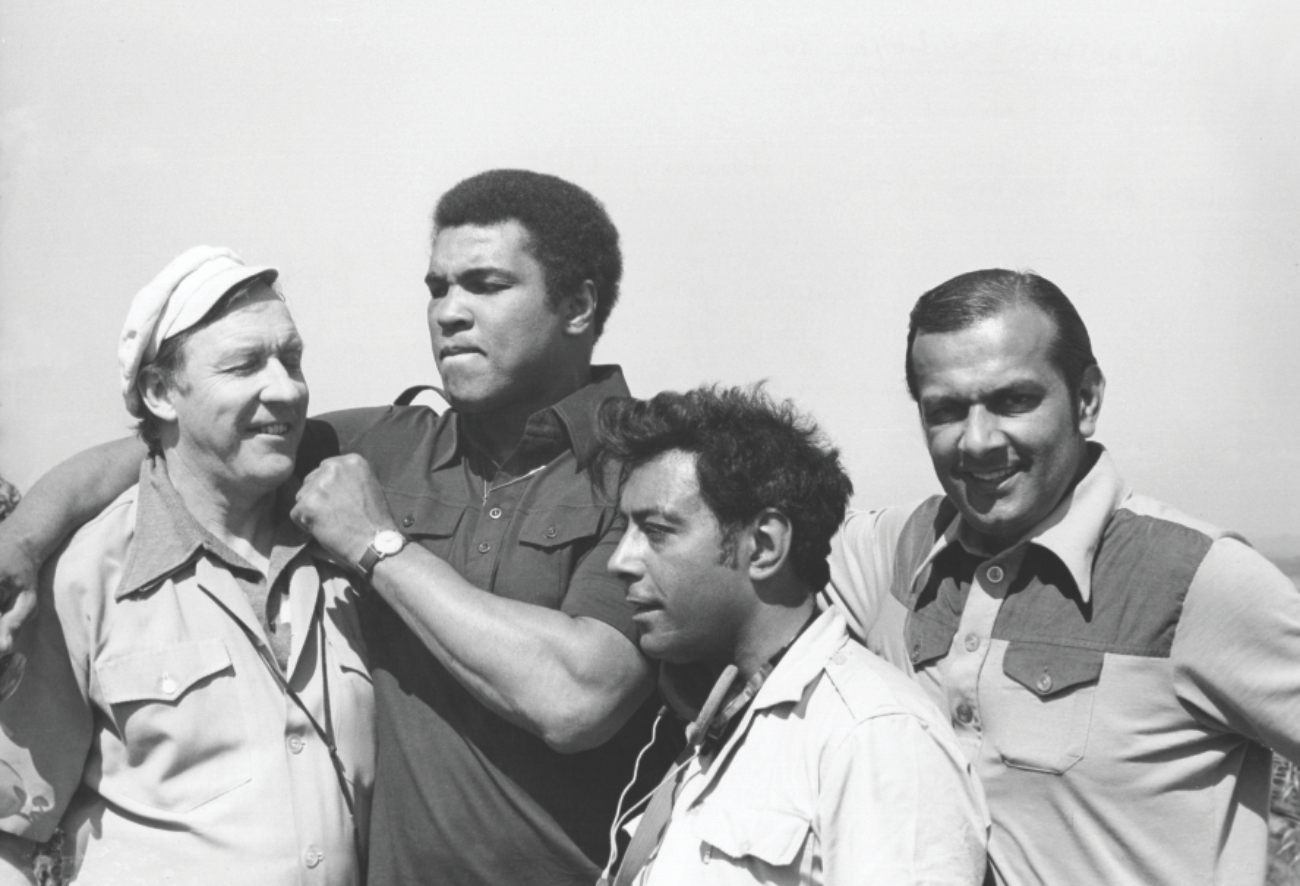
[
  {"x": 1041, "y": 710},
  {"x": 551, "y": 543},
  {"x": 764, "y": 841},
  {"x": 178, "y": 715}
]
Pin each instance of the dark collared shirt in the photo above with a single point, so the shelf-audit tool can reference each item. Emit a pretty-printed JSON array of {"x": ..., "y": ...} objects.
[{"x": 462, "y": 796}]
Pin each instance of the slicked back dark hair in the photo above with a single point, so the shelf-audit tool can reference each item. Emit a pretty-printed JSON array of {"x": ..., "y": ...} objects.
[
  {"x": 751, "y": 454},
  {"x": 970, "y": 298},
  {"x": 570, "y": 233}
]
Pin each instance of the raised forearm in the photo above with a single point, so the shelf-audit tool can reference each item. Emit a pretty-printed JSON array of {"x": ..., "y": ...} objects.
[{"x": 571, "y": 681}]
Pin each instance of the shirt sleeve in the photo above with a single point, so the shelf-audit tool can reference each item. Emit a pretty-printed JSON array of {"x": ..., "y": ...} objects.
[
  {"x": 47, "y": 722},
  {"x": 1238, "y": 641},
  {"x": 899, "y": 806},
  {"x": 594, "y": 592},
  {"x": 862, "y": 565}
]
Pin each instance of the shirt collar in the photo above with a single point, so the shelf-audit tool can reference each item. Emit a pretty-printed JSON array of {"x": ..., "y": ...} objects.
[
  {"x": 804, "y": 661},
  {"x": 1072, "y": 531},
  {"x": 576, "y": 414},
  {"x": 168, "y": 538}
]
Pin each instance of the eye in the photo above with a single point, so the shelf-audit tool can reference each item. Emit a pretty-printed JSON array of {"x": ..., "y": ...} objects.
[
  {"x": 1014, "y": 402},
  {"x": 943, "y": 413},
  {"x": 437, "y": 288}
]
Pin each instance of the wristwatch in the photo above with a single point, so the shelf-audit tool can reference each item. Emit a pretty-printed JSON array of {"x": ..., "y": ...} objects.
[{"x": 386, "y": 543}]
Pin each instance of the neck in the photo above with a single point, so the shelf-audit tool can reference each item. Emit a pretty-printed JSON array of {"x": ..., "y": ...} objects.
[
  {"x": 776, "y": 625},
  {"x": 498, "y": 432},
  {"x": 243, "y": 521}
]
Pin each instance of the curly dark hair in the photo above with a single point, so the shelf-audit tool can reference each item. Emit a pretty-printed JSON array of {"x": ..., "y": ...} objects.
[
  {"x": 752, "y": 453},
  {"x": 969, "y": 298},
  {"x": 570, "y": 233}
]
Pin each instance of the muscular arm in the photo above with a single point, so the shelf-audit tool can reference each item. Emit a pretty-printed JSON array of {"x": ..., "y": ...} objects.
[
  {"x": 571, "y": 681},
  {"x": 58, "y": 504}
]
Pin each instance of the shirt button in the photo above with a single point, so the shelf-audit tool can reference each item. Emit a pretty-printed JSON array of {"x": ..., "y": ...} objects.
[
  {"x": 167, "y": 684},
  {"x": 495, "y": 513},
  {"x": 550, "y": 532},
  {"x": 995, "y": 574},
  {"x": 1044, "y": 683},
  {"x": 313, "y": 856},
  {"x": 916, "y": 652},
  {"x": 484, "y": 547},
  {"x": 408, "y": 521},
  {"x": 296, "y": 744},
  {"x": 838, "y": 658},
  {"x": 972, "y": 642},
  {"x": 964, "y": 713}
]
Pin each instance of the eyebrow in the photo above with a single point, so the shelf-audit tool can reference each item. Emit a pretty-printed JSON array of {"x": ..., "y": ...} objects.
[{"x": 655, "y": 512}]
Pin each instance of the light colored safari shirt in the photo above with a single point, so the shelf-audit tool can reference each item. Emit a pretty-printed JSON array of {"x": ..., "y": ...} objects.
[
  {"x": 150, "y": 726},
  {"x": 840, "y": 772},
  {"x": 1117, "y": 677}
]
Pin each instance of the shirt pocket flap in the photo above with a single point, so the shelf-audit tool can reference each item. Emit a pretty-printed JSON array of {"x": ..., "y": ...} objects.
[
  {"x": 773, "y": 836},
  {"x": 163, "y": 674},
  {"x": 559, "y": 526},
  {"x": 1047, "y": 669},
  {"x": 422, "y": 515}
]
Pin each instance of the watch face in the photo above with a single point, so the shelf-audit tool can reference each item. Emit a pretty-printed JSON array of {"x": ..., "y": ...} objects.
[{"x": 387, "y": 542}]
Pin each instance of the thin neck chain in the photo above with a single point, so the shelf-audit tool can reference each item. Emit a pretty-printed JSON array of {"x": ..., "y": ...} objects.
[{"x": 488, "y": 490}]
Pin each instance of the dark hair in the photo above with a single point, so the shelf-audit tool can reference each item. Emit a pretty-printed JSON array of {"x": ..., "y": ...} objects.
[
  {"x": 751, "y": 454},
  {"x": 967, "y": 299},
  {"x": 169, "y": 362},
  {"x": 570, "y": 234}
]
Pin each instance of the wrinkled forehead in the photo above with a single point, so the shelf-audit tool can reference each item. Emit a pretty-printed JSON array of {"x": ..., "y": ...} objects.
[{"x": 257, "y": 317}]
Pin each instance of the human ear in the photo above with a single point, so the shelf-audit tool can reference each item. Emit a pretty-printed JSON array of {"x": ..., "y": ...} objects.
[
  {"x": 1091, "y": 392},
  {"x": 156, "y": 394},
  {"x": 579, "y": 309},
  {"x": 771, "y": 534}
]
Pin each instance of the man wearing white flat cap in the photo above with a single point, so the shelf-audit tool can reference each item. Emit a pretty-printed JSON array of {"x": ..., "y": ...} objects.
[{"x": 196, "y": 706}]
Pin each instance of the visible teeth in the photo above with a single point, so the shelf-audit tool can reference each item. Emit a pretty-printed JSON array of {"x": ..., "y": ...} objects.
[
  {"x": 274, "y": 429},
  {"x": 992, "y": 476}
]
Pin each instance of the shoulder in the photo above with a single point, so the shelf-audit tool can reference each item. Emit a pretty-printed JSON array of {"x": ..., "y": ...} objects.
[
  {"x": 379, "y": 433},
  {"x": 868, "y": 687},
  {"x": 89, "y": 565}
]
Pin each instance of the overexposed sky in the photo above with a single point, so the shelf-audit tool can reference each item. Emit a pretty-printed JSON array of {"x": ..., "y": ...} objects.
[{"x": 787, "y": 180}]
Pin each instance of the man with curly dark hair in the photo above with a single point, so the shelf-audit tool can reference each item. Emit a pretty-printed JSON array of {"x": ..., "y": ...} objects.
[
  {"x": 812, "y": 760},
  {"x": 510, "y": 694}
]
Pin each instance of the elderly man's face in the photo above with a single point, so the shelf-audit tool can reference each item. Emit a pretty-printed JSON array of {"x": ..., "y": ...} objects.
[
  {"x": 241, "y": 400},
  {"x": 495, "y": 335},
  {"x": 690, "y": 601},
  {"x": 1005, "y": 436}
]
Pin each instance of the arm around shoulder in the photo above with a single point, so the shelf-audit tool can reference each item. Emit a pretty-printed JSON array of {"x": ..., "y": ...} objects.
[{"x": 59, "y": 503}]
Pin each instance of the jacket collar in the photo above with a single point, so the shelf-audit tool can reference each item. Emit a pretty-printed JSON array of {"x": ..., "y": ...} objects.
[{"x": 1072, "y": 531}]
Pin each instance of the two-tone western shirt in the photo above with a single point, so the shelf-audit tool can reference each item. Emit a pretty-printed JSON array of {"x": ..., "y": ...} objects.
[{"x": 1118, "y": 677}]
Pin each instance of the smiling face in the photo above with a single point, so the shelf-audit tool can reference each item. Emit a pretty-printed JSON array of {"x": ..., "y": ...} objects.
[
  {"x": 499, "y": 342},
  {"x": 239, "y": 403},
  {"x": 689, "y": 604},
  {"x": 1006, "y": 438}
]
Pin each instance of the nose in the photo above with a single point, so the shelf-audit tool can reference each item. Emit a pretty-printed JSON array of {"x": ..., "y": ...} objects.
[
  {"x": 449, "y": 312},
  {"x": 981, "y": 433},
  {"x": 282, "y": 384},
  {"x": 624, "y": 563}
]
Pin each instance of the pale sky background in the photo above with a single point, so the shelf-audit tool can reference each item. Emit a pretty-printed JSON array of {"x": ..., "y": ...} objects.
[{"x": 787, "y": 179}]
